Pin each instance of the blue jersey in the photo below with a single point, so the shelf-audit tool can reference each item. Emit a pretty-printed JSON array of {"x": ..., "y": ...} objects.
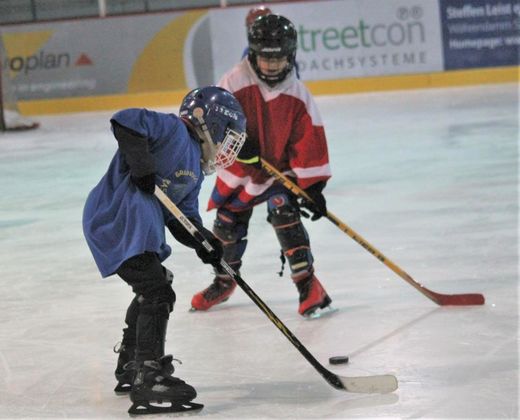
[{"x": 119, "y": 220}]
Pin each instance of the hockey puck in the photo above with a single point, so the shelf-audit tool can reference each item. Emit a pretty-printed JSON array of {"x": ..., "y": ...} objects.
[{"x": 338, "y": 360}]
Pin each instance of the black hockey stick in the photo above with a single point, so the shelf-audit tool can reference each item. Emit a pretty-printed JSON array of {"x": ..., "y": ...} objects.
[
  {"x": 439, "y": 298},
  {"x": 361, "y": 384}
]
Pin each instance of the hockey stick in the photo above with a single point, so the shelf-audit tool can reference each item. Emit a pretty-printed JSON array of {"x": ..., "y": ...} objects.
[
  {"x": 438, "y": 298},
  {"x": 362, "y": 384}
]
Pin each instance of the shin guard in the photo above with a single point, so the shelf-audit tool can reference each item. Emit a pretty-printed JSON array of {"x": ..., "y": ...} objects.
[
  {"x": 231, "y": 229},
  {"x": 152, "y": 323},
  {"x": 292, "y": 236}
]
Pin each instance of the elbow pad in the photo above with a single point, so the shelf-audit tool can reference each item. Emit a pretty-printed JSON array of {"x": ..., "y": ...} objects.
[{"x": 135, "y": 149}]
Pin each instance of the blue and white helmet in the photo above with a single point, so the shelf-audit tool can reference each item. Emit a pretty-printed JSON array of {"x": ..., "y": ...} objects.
[{"x": 219, "y": 121}]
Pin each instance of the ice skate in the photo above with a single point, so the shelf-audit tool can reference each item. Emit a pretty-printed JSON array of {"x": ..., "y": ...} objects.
[
  {"x": 155, "y": 391},
  {"x": 321, "y": 312},
  {"x": 219, "y": 291},
  {"x": 314, "y": 300},
  {"x": 124, "y": 377},
  {"x": 125, "y": 370}
]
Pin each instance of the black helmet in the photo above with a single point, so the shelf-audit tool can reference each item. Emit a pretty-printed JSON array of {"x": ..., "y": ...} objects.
[{"x": 272, "y": 36}]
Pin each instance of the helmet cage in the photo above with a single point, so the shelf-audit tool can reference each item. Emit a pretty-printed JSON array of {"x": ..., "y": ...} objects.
[{"x": 227, "y": 151}]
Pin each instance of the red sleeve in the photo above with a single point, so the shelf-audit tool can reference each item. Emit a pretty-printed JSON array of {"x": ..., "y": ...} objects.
[{"x": 308, "y": 151}]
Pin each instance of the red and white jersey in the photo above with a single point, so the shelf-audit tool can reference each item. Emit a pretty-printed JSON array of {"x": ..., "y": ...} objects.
[{"x": 285, "y": 123}]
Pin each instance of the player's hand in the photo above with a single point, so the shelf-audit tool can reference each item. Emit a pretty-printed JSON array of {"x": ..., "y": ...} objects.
[
  {"x": 249, "y": 154},
  {"x": 318, "y": 205},
  {"x": 145, "y": 183},
  {"x": 215, "y": 255}
]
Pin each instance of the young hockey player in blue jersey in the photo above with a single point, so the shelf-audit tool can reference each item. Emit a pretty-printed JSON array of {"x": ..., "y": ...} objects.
[{"x": 124, "y": 225}]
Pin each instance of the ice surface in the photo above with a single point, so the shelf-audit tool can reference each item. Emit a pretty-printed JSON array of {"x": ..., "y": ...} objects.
[{"x": 430, "y": 178}]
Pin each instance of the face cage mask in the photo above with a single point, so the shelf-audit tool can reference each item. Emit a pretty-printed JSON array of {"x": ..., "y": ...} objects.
[
  {"x": 227, "y": 151},
  {"x": 223, "y": 154}
]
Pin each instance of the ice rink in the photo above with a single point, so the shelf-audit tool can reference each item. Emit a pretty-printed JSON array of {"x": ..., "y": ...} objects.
[{"x": 429, "y": 177}]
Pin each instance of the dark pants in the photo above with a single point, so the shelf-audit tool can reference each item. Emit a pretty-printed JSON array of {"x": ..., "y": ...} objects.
[
  {"x": 284, "y": 215},
  {"x": 148, "y": 313}
]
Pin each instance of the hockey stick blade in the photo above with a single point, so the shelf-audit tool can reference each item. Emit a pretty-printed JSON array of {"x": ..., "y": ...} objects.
[
  {"x": 466, "y": 299},
  {"x": 441, "y": 299},
  {"x": 379, "y": 384}
]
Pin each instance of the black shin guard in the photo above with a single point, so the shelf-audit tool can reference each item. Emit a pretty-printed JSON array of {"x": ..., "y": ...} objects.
[
  {"x": 148, "y": 313},
  {"x": 152, "y": 323},
  {"x": 292, "y": 236},
  {"x": 231, "y": 229}
]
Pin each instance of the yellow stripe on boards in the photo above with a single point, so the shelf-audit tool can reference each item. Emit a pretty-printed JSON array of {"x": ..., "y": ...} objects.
[
  {"x": 169, "y": 99},
  {"x": 415, "y": 81}
]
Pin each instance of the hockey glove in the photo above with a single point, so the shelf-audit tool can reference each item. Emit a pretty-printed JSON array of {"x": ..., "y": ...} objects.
[
  {"x": 186, "y": 238},
  {"x": 214, "y": 256},
  {"x": 249, "y": 154},
  {"x": 134, "y": 148},
  {"x": 145, "y": 183},
  {"x": 318, "y": 205}
]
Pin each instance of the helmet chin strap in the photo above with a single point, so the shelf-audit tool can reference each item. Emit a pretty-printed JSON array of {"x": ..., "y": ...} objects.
[{"x": 208, "y": 148}]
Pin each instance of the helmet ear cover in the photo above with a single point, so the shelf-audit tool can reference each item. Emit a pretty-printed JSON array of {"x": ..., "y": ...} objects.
[{"x": 218, "y": 121}]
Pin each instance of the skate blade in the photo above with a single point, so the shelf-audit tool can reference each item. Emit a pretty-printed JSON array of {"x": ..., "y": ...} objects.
[
  {"x": 192, "y": 309},
  {"x": 320, "y": 313},
  {"x": 146, "y": 407},
  {"x": 123, "y": 389}
]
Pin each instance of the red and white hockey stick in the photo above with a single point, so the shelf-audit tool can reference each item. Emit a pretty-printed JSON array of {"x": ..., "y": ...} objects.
[
  {"x": 361, "y": 384},
  {"x": 438, "y": 298}
]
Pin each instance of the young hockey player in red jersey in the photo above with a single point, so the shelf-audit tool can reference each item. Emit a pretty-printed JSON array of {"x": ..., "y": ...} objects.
[
  {"x": 252, "y": 15},
  {"x": 124, "y": 227},
  {"x": 285, "y": 128}
]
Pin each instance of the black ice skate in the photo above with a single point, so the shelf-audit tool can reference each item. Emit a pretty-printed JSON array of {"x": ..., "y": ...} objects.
[
  {"x": 155, "y": 391},
  {"x": 124, "y": 377},
  {"x": 125, "y": 370}
]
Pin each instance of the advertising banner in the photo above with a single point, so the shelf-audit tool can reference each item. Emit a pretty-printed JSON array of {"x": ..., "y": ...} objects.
[
  {"x": 99, "y": 56},
  {"x": 346, "y": 39},
  {"x": 480, "y": 33}
]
